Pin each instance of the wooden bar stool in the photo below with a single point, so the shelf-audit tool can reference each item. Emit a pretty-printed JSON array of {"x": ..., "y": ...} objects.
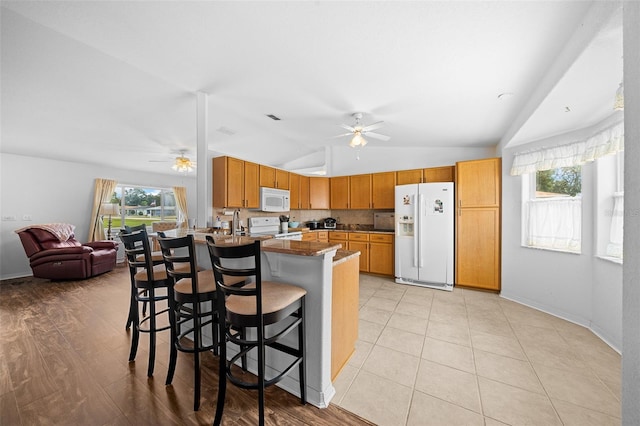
[
  {"x": 156, "y": 257},
  {"x": 146, "y": 280},
  {"x": 253, "y": 307},
  {"x": 192, "y": 296}
]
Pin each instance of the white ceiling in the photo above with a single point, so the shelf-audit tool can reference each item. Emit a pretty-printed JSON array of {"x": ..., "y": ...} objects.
[{"x": 115, "y": 83}]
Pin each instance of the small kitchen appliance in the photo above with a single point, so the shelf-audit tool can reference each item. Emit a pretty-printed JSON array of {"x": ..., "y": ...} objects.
[
  {"x": 313, "y": 224},
  {"x": 274, "y": 200},
  {"x": 330, "y": 223}
]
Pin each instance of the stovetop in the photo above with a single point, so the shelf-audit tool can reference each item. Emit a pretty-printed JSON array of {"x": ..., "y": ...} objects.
[{"x": 268, "y": 226}]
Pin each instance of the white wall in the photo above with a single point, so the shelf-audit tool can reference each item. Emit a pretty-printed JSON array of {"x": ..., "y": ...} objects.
[
  {"x": 58, "y": 191},
  {"x": 578, "y": 287}
]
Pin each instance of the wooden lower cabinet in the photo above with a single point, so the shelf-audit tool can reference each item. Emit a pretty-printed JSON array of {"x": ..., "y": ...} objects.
[
  {"x": 359, "y": 241},
  {"x": 344, "y": 312},
  {"x": 376, "y": 250},
  {"x": 381, "y": 255},
  {"x": 478, "y": 248},
  {"x": 320, "y": 236}
]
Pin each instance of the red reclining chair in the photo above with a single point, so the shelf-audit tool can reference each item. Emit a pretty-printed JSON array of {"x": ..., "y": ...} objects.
[{"x": 54, "y": 253}]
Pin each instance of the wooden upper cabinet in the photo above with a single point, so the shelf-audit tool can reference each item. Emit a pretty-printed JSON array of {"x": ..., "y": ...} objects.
[
  {"x": 304, "y": 192},
  {"x": 339, "y": 192},
  {"x": 318, "y": 193},
  {"x": 274, "y": 178},
  {"x": 478, "y": 183},
  {"x": 360, "y": 191},
  {"x": 439, "y": 174},
  {"x": 294, "y": 190},
  {"x": 282, "y": 179},
  {"x": 406, "y": 177},
  {"x": 235, "y": 183},
  {"x": 267, "y": 176},
  {"x": 383, "y": 187},
  {"x": 251, "y": 185}
]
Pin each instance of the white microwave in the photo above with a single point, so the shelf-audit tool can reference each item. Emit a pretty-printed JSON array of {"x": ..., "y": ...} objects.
[{"x": 274, "y": 200}]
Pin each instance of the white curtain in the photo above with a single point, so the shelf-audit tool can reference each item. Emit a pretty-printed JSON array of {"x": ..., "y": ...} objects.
[
  {"x": 614, "y": 248},
  {"x": 554, "y": 223},
  {"x": 607, "y": 141},
  {"x": 103, "y": 190},
  {"x": 180, "y": 194}
]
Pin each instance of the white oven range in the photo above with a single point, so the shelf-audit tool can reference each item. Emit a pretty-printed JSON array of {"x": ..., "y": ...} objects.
[{"x": 260, "y": 226}]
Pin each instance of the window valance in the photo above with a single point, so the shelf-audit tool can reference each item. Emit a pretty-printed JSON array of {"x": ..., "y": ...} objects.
[{"x": 607, "y": 141}]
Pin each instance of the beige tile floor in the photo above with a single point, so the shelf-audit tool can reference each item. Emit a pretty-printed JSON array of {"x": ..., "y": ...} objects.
[{"x": 430, "y": 357}]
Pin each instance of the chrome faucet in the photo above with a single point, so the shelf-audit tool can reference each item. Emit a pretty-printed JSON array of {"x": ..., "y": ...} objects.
[{"x": 235, "y": 222}]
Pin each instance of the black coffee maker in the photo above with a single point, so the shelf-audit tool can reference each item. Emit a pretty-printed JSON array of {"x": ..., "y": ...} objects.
[{"x": 330, "y": 223}]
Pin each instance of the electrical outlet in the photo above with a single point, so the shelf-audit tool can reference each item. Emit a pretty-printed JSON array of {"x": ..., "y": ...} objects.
[
  {"x": 26, "y": 217},
  {"x": 9, "y": 217}
]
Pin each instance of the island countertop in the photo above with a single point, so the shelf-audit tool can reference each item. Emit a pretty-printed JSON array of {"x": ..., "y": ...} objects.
[{"x": 269, "y": 244}]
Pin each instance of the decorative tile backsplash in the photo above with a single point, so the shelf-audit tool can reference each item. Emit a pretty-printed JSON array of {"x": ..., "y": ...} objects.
[{"x": 345, "y": 217}]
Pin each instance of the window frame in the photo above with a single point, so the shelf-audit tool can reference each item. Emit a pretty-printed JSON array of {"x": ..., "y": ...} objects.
[
  {"x": 608, "y": 187},
  {"x": 149, "y": 219},
  {"x": 529, "y": 189}
]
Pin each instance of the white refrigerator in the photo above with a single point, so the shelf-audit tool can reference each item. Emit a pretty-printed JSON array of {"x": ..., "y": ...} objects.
[{"x": 424, "y": 235}]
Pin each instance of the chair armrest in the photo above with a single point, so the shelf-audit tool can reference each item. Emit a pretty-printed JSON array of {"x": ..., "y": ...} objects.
[
  {"x": 103, "y": 244},
  {"x": 61, "y": 251}
]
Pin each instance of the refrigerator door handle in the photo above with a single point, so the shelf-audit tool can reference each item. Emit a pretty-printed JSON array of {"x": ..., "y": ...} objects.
[
  {"x": 418, "y": 233},
  {"x": 415, "y": 231}
]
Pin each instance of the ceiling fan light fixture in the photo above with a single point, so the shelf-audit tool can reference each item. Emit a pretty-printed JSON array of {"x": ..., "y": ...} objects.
[
  {"x": 357, "y": 140},
  {"x": 183, "y": 165}
]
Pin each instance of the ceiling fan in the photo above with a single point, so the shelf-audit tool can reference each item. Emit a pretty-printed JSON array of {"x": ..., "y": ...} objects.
[
  {"x": 358, "y": 130},
  {"x": 181, "y": 164}
]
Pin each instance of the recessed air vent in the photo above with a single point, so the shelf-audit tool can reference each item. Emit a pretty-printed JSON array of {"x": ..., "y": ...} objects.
[{"x": 273, "y": 117}]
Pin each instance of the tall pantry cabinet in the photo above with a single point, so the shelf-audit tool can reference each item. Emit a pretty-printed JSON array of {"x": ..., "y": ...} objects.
[{"x": 478, "y": 189}]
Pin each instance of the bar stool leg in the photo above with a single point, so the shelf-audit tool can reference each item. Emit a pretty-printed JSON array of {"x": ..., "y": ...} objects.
[{"x": 152, "y": 332}]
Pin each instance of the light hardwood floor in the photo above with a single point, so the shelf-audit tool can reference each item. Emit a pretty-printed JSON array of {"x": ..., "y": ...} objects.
[
  {"x": 431, "y": 357},
  {"x": 64, "y": 360}
]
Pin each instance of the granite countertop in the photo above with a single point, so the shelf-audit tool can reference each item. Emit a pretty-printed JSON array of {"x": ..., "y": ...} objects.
[
  {"x": 300, "y": 248},
  {"x": 270, "y": 244},
  {"x": 344, "y": 255},
  {"x": 352, "y": 228}
]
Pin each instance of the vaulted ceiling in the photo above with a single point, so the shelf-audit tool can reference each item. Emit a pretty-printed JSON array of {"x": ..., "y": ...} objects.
[{"x": 115, "y": 83}]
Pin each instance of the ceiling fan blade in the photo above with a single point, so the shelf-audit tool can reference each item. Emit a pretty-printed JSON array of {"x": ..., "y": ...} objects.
[
  {"x": 349, "y": 128},
  {"x": 373, "y": 126},
  {"x": 343, "y": 135},
  {"x": 377, "y": 136}
]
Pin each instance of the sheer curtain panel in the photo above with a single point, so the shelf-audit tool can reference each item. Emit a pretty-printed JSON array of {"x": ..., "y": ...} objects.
[
  {"x": 180, "y": 193},
  {"x": 554, "y": 223},
  {"x": 614, "y": 248},
  {"x": 103, "y": 190}
]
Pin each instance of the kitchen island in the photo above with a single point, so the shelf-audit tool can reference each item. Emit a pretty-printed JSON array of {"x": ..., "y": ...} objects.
[{"x": 307, "y": 264}]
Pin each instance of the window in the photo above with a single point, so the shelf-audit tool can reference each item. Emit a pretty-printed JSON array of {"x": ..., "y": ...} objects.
[
  {"x": 610, "y": 206},
  {"x": 553, "y": 209},
  {"x": 140, "y": 205}
]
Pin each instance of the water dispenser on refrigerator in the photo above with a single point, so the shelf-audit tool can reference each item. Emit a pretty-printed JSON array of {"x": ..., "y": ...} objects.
[{"x": 405, "y": 226}]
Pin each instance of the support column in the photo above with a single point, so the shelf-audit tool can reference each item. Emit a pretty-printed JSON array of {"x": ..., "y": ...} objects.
[
  {"x": 631, "y": 267},
  {"x": 203, "y": 176}
]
